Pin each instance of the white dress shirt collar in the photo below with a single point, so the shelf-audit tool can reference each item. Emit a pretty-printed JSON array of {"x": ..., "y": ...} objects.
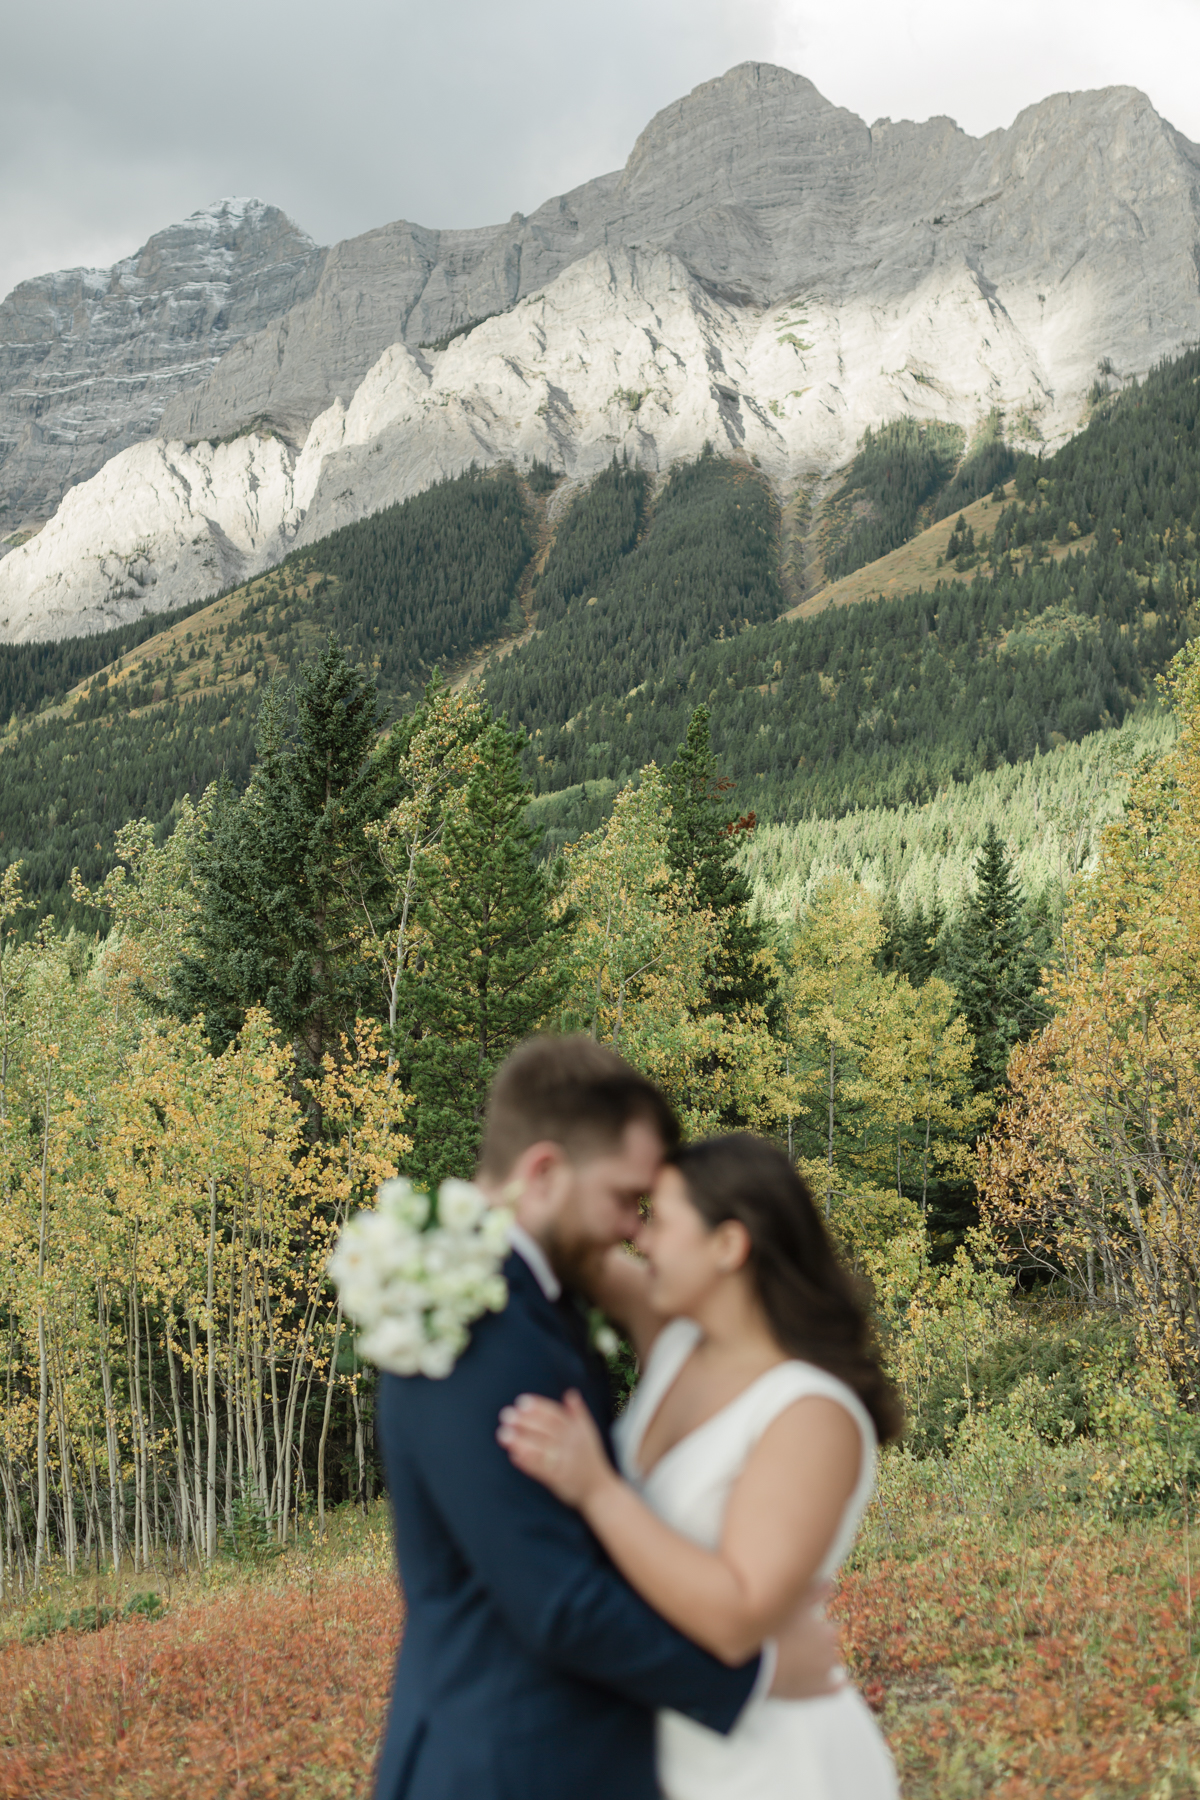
[{"x": 532, "y": 1254}]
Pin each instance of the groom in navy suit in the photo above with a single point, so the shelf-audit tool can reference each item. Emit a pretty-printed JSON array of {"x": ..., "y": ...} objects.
[{"x": 530, "y": 1670}]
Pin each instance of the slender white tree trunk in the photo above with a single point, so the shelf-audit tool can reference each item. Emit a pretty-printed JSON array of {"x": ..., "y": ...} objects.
[
  {"x": 66, "y": 1483},
  {"x": 233, "y": 1414},
  {"x": 43, "y": 1470},
  {"x": 141, "y": 1534},
  {"x": 152, "y": 1442},
  {"x": 112, "y": 1449},
  {"x": 43, "y": 1475},
  {"x": 210, "y": 1517},
  {"x": 181, "y": 1474},
  {"x": 299, "y": 1358},
  {"x": 197, "y": 1439},
  {"x": 333, "y": 1354}
]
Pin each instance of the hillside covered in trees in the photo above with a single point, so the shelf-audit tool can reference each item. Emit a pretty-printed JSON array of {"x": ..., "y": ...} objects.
[
  {"x": 649, "y": 599},
  {"x": 309, "y": 984},
  {"x": 131, "y": 722},
  {"x": 813, "y": 875},
  {"x": 626, "y": 611},
  {"x": 882, "y": 703}
]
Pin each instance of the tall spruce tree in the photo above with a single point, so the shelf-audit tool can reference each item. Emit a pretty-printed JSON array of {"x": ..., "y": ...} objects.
[
  {"x": 286, "y": 869},
  {"x": 487, "y": 973},
  {"x": 994, "y": 965},
  {"x": 702, "y": 843}
]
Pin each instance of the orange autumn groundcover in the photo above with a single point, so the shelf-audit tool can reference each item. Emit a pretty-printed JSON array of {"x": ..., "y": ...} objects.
[
  {"x": 1064, "y": 1666},
  {"x": 258, "y": 1693}
]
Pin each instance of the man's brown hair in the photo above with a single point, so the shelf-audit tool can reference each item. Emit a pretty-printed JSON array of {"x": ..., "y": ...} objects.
[{"x": 569, "y": 1091}]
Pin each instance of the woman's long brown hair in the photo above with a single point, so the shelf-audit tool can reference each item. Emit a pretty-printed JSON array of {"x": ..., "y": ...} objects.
[{"x": 813, "y": 1304}]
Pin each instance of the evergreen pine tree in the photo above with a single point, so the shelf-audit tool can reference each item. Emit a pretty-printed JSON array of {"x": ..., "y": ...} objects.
[
  {"x": 994, "y": 966},
  {"x": 488, "y": 973},
  {"x": 914, "y": 942},
  {"x": 286, "y": 870},
  {"x": 702, "y": 844}
]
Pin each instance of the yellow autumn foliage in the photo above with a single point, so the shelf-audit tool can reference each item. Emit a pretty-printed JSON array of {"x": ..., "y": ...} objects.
[{"x": 1094, "y": 1166}]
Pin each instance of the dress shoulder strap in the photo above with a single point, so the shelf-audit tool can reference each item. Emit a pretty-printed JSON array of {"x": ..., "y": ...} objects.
[{"x": 775, "y": 1391}]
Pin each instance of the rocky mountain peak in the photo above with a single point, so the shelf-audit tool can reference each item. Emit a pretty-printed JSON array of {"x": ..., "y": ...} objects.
[
  {"x": 89, "y": 358},
  {"x": 734, "y": 140},
  {"x": 224, "y": 240}
]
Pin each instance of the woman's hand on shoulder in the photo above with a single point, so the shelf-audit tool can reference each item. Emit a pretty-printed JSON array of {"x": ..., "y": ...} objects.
[{"x": 559, "y": 1446}]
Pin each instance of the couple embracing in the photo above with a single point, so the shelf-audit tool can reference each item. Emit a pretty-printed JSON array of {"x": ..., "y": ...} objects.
[{"x": 600, "y": 1612}]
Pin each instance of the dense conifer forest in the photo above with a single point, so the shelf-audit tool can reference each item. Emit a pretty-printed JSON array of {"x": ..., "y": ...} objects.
[
  {"x": 68, "y": 788},
  {"x": 705, "y": 568},
  {"x": 600, "y": 527},
  {"x": 909, "y": 474},
  {"x": 425, "y": 581},
  {"x": 421, "y": 583},
  {"x": 897, "y": 471},
  {"x": 36, "y": 675},
  {"x": 882, "y": 703}
]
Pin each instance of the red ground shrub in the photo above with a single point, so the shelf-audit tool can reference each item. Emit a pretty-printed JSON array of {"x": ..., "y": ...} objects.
[
  {"x": 1066, "y": 1667},
  {"x": 257, "y": 1694}
]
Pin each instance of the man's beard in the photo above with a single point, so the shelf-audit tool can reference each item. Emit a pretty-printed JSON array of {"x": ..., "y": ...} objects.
[{"x": 574, "y": 1262}]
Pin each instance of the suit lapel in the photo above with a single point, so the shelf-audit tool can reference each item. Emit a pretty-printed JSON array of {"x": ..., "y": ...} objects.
[
  {"x": 596, "y": 1389},
  {"x": 569, "y": 1323}
]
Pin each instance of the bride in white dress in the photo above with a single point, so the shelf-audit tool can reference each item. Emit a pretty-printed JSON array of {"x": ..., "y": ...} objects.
[{"x": 747, "y": 1456}]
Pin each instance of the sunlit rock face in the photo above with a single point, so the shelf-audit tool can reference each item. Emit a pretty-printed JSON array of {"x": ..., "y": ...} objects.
[
  {"x": 767, "y": 273},
  {"x": 161, "y": 524}
]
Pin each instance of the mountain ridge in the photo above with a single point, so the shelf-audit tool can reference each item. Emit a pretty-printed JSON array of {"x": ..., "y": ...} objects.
[
  {"x": 1042, "y": 613},
  {"x": 766, "y": 272}
]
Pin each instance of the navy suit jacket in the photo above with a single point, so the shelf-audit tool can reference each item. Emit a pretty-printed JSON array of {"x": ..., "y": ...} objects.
[{"x": 529, "y": 1670}]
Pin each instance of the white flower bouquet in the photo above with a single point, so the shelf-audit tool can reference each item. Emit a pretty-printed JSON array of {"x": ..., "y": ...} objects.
[{"x": 416, "y": 1272}]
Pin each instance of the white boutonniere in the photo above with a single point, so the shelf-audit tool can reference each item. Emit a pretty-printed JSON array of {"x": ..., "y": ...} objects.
[
  {"x": 603, "y": 1337},
  {"x": 418, "y": 1271}
]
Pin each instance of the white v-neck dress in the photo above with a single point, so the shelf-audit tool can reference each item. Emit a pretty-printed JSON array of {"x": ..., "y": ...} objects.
[{"x": 828, "y": 1749}]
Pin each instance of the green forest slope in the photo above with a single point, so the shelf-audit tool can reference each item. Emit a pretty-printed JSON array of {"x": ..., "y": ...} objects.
[
  {"x": 1057, "y": 602},
  {"x": 884, "y": 703},
  {"x": 125, "y": 724},
  {"x": 1050, "y": 812}
]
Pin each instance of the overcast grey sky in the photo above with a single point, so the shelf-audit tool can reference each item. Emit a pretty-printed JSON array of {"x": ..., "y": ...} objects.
[{"x": 117, "y": 119}]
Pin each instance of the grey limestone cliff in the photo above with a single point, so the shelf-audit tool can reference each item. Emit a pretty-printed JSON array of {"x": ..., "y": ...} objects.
[
  {"x": 764, "y": 189},
  {"x": 89, "y": 358},
  {"x": 767, "y": 273}
]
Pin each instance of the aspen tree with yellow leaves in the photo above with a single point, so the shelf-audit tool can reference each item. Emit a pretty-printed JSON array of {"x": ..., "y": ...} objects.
[
  {"x": 165, "y": 1226},
  {"x": 881, "y": 1072},
  {"x": 434, "y": 750},
  {"x": 639, "y": 961},
  {"x": 1094, "y": 1166}
]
